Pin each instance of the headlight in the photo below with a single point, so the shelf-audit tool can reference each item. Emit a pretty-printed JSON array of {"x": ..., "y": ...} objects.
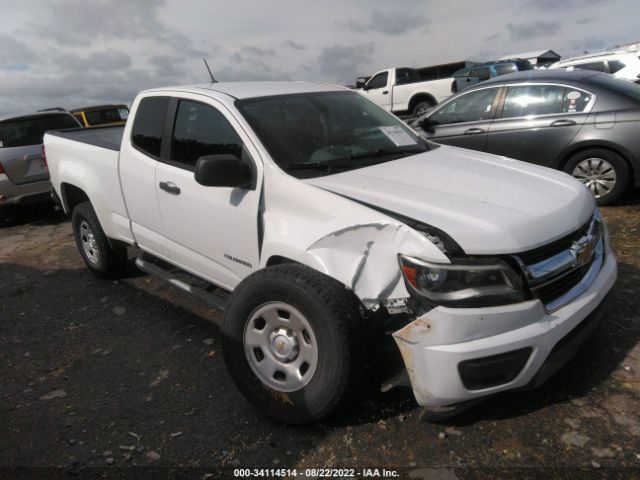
[{"x": 471, "y": 283}]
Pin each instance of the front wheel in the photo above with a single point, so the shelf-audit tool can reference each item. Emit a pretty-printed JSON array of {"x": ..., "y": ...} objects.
[
  {"x": 103, "y": 259},
  {"x": 603, "y": 172},
  {"x": 288, "y": 342}
]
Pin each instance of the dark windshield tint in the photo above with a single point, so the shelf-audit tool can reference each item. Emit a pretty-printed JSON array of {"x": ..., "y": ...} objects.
[
  {"x": 25, "y": 131},
  {"x": 314, "y": 128},
  {"x": 625, "y": 87}
]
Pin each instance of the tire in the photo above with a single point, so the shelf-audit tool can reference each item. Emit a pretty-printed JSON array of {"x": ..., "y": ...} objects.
[
  {"x": 611, "y": 169},
  {"x": 421, "y": 107},
  {"x": 103, "y": 259},
  {"x": 332, "y": 315}
]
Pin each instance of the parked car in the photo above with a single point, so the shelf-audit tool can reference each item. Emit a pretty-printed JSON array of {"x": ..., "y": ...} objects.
[
  {"x": 101, "y": 115},
  {"x": 584, "y": 123},
  {"x": 400, "y": 90},
  {"x": 23, "y": 173},
  {"x": 624, "y": 63},
  {"x": 467, "y": 77},
  {"x": 333, "y": 224}
]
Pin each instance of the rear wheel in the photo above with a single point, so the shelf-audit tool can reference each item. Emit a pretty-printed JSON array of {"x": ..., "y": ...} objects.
[
  {"x": 421, "y": 107},
  {"x": 603, "y": 172},
  {"x": 289, "y": 343},
  {"x": 103, "y": 259}
]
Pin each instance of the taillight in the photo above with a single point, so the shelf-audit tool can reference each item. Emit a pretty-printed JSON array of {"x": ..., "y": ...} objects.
[
  {"x": 2, "y": 169},
  {"x": 44, "y": 158}
]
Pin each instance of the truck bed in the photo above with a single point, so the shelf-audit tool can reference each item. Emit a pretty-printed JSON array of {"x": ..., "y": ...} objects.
[{"x": 105, "y": 137}]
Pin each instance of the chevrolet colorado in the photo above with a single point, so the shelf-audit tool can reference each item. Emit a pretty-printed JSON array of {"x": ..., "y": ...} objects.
[{"x": 340, "y": 236}]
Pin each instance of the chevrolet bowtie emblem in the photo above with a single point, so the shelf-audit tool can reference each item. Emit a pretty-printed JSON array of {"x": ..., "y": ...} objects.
[{"x": 582, "y": 251}]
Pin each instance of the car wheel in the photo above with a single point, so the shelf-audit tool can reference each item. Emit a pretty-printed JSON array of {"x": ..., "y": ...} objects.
[
  {"x": 288, "y": 342},
  {"x": 421, "y": 107},
  {"x": 603, "y": 172},
  {"x": 103, "y": 259}
]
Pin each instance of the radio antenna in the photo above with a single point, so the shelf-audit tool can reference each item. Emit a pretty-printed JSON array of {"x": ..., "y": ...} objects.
[{"x": 213, "y": 80}]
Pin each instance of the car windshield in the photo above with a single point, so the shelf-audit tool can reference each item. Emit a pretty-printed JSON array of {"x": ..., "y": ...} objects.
[
  {"x": 313, "y": 134},
  {"x": 625, "y": 87}
]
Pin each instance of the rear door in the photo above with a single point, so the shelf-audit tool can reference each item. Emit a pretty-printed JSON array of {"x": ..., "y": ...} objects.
[
  {"x": 464, "y": 121},
  {"x": 21, "y": 145},
  {"x": 537, "y": 121},
  {"x": 210, "y": 231}
]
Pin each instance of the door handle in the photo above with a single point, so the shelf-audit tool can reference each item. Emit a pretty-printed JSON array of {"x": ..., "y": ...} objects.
[
  {"x": 170, "y": 187},
  {"x": 562, "y": 123},
  {"x": 385, "y": 92},
  {"x": 473, "y": 131}
]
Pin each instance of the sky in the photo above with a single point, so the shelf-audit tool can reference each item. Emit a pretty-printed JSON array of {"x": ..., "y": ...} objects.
[{"x": 73, "y": 53}]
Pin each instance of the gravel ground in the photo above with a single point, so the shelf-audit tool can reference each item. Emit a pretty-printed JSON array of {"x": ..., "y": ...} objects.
[{"x": 99, "y": 375}]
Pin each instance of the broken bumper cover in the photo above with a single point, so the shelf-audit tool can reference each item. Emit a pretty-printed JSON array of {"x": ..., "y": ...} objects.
[{"x": 460, "y": 355}]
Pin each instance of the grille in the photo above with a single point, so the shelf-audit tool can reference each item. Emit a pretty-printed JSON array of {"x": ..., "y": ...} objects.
[{"x": 569, "y": 269}]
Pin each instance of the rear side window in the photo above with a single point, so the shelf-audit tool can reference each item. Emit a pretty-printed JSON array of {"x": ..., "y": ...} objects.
[
  {"x": 202, "y": 130},
  {"x": 533, "y": 100},
  {"x": 146, "y": 134},
  {"x": 21, "y": 132},
  {"x": 406, "y": 75}
]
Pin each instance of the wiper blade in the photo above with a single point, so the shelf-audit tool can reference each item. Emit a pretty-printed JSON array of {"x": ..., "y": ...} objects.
[{"x": 347, "y": 161}]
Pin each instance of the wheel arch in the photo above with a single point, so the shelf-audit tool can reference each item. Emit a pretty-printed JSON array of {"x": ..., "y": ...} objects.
[
  {"x": 418, "y": 97},
  {"x": 72, "y": 196}
]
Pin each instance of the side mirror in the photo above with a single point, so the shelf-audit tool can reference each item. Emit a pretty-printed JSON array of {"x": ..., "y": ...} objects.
[
  {"x": 359, "y": 83},
  {"x": 224, "y": 170},
  {"x": 427, "y": 124}
]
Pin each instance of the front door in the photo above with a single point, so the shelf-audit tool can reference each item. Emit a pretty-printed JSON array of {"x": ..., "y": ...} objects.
[
  {"x": 464, "y": 121},
  {"x": 210, "y": 231},
  {"x": 378, "y": 91}
]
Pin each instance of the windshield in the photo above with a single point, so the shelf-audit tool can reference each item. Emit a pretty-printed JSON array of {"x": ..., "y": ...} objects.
[{"x": 314, "y": 134}]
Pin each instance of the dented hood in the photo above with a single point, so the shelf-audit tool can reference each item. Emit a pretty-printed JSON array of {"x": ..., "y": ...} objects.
[{"x": 487, "y": 204}]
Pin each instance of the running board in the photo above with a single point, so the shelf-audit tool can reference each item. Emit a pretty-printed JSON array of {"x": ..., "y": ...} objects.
[{"x": 169, "y": 277}]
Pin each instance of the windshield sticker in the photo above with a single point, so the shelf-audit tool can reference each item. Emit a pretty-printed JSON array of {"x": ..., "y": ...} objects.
[
  {"x": 398, "y": 136},
  {"x": 574, "y": 95},
  {"x": 1, "y": 144}
]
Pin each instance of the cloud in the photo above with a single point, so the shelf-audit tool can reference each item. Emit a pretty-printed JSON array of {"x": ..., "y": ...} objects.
[
  {"x": 389, "y": 22},
  {"x": 551, "y": 5},
  {"x": 293, "y": 45},
  {"x": 14, "y": 51},
  {"x": 343, "y": 63},
  {"x": 258, "y": 52},
  {"x": 167, "y": 65},
  {"x": 535, "y": 29},
  {"x": 105, "y": 60}
]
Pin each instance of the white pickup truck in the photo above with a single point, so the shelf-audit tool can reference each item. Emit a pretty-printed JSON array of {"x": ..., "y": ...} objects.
[
  {"x": 340, "y": 237},
  {"x": 400, "y": 90}
]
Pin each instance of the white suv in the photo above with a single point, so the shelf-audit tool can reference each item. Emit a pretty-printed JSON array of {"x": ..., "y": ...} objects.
[{"x": 620, "y": 63}]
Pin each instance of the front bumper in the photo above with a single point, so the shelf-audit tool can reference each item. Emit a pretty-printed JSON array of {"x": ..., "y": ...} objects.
[
  {"x": 12, "y": 194},
  {"x": 438, "y": 346}
]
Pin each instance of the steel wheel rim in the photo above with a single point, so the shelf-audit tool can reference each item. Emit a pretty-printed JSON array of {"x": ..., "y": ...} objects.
[
  {"x": 597, "y": 174},
  {"x": 280, "y": 346},
  {"x": 88, "y": 241}
]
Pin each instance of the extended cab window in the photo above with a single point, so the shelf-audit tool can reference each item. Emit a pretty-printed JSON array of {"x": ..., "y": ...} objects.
[
  {"x": 533, "y": 100},
  {"x": 202, "y": 130},
  {"x": 148, "y": 125},
  {"x": 470, "y": 107},
  {"x": 379, "y": 81},
  {"x": 406, "y": 75}
]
